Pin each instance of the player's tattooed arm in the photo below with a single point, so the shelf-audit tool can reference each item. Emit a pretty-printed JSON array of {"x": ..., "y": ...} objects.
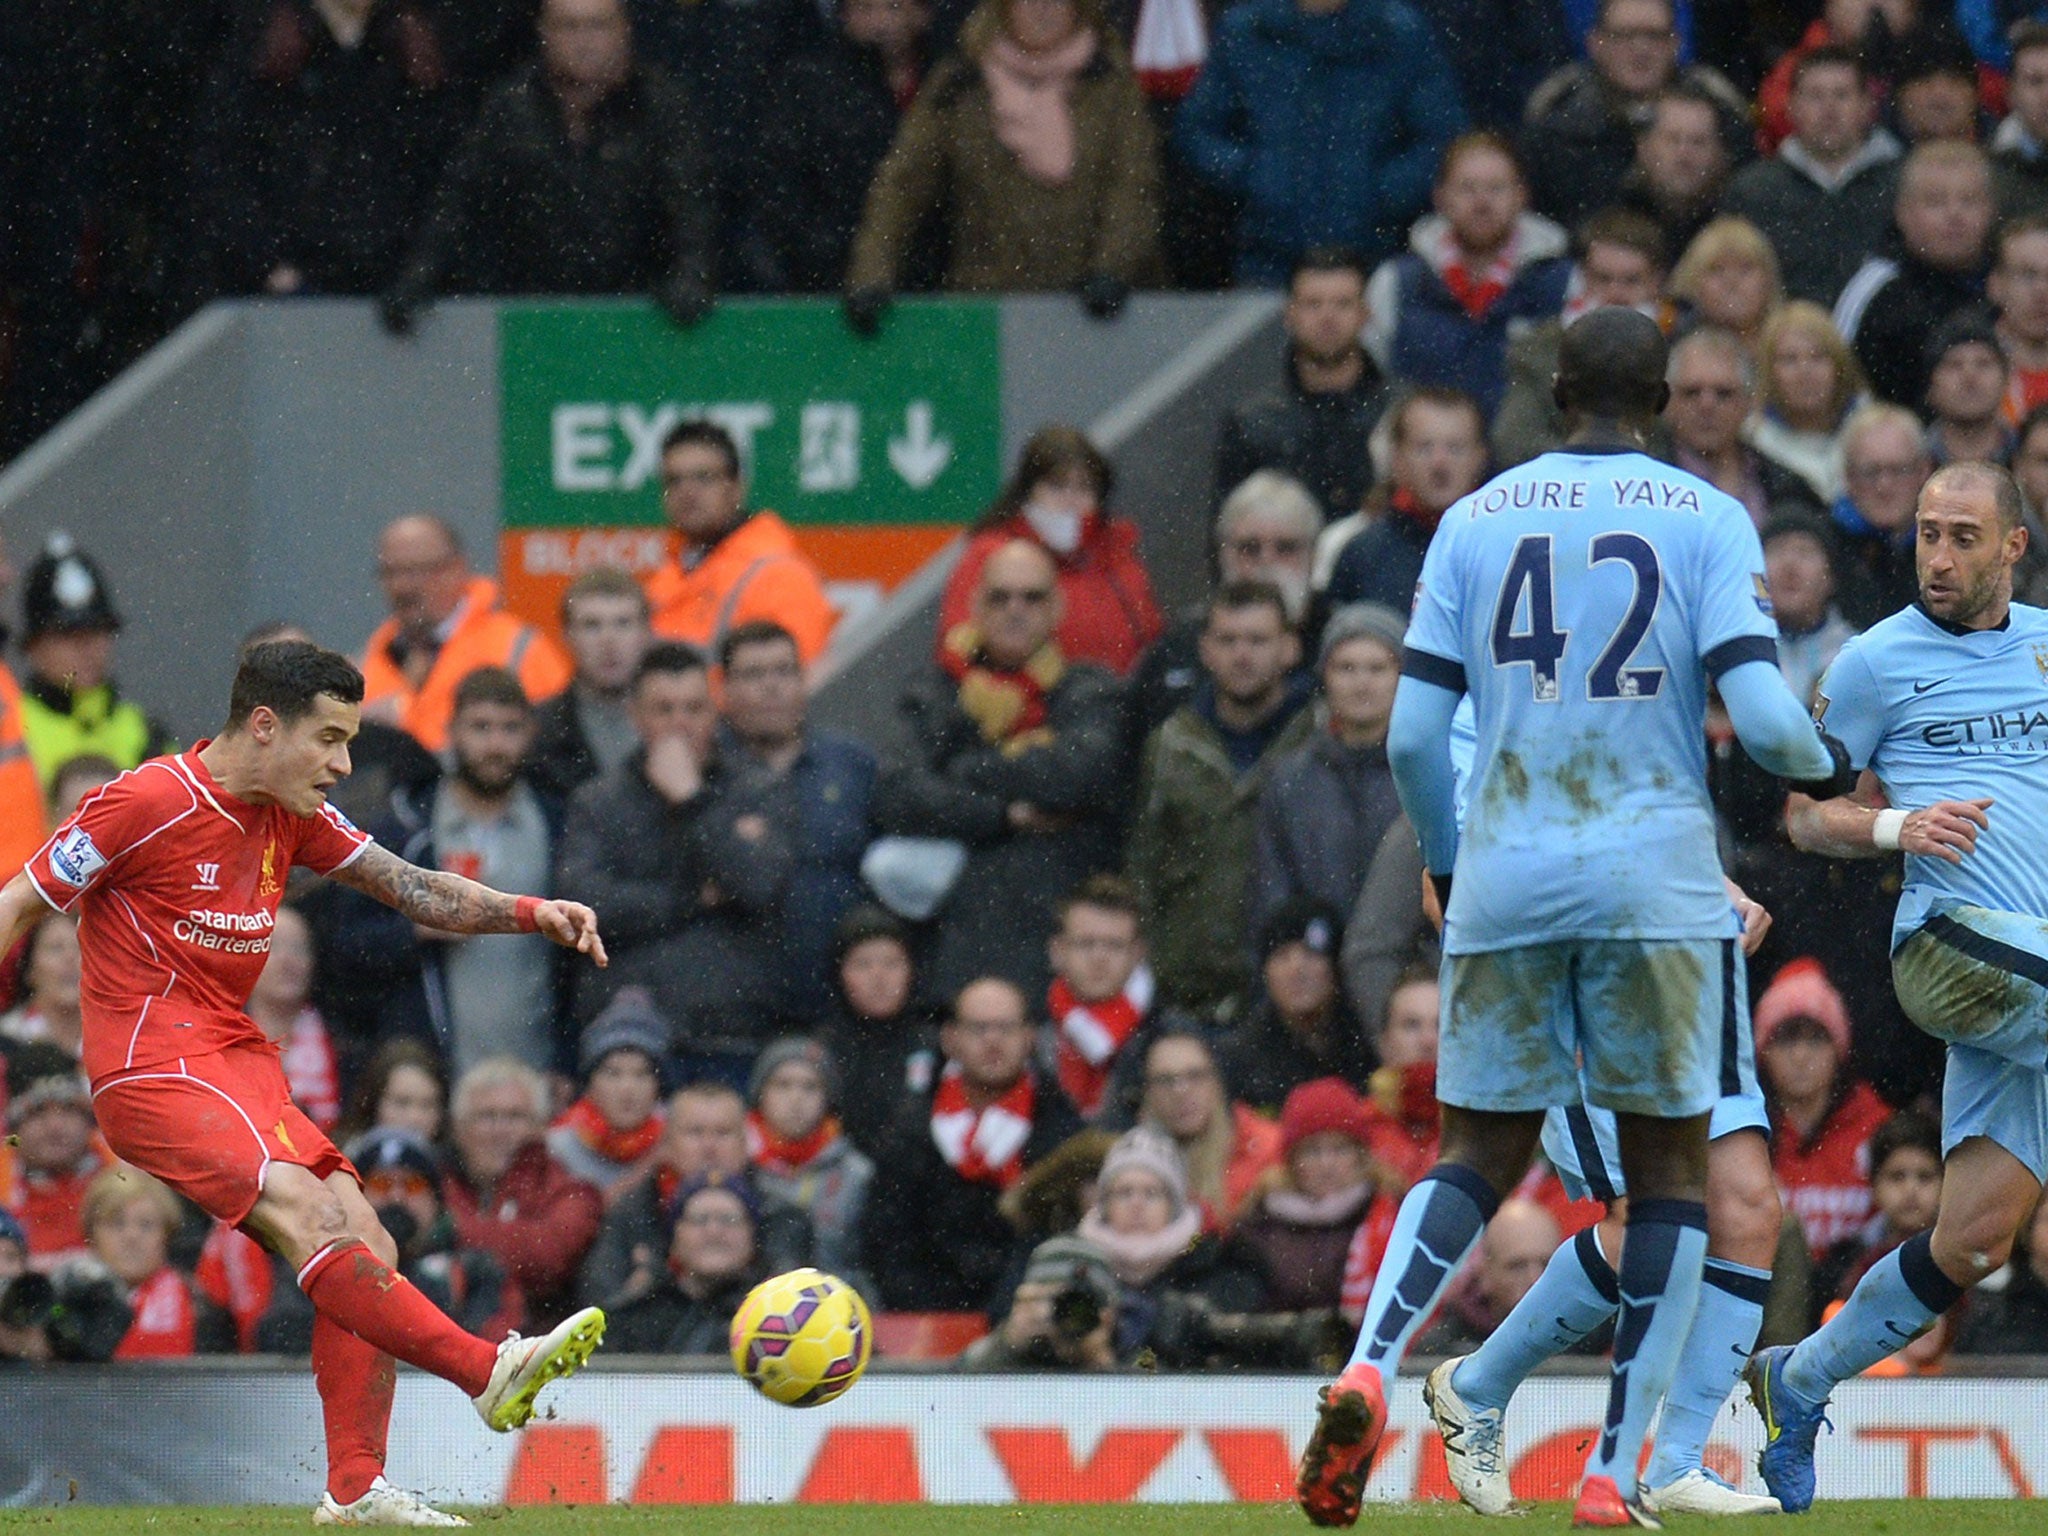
[
  {"x": 1855, "y": 826},
  {"x": 433, "y": 898}
]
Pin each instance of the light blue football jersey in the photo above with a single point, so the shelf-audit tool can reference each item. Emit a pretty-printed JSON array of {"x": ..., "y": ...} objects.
[
  {"x": 1583, "y": 600},
  {"x": 1942, "y": 714}
]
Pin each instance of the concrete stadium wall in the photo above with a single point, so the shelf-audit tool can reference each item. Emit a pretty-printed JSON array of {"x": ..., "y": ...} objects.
[{"x": 241, "y": 470}]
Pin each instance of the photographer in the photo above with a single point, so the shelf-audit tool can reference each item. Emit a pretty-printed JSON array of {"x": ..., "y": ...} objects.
[{"x": 73, "y": 1313}]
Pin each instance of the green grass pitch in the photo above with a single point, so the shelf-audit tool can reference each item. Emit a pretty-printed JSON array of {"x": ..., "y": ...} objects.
[{"x": 1931, "y": 1517}]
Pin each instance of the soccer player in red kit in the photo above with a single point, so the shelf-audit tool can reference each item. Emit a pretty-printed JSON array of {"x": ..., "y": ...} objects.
[{"x": 175, "y": 870}]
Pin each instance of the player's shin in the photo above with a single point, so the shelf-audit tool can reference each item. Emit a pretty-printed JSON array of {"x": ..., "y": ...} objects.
[
  {"x": 1661, "y": 1260},
  {"x": 348, "y": 1283},
  {"x": 1439, "y": 1222},
  {"x": 1574, "y": 1295},
  {"x": 356, "y": 1382},
  {"x": 1903, "y": 1292},
  {"x": 1724, "y": 1331}
]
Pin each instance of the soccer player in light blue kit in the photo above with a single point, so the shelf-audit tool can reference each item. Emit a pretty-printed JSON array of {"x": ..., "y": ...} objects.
[
  {"x": 1944, "y": 705},
  {"x": 1585, "y": 600},
  {"x": 1467, "y": 1396}
]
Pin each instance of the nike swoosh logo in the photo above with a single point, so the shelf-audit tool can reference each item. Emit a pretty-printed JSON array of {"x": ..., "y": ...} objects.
[{"x": 1923, "y": 687}]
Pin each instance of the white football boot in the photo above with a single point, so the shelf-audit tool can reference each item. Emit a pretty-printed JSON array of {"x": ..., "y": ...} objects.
[
  {"x": 384, "y": 1505},
  {"x": 526, "y": 1365},
  {"x": 1699, "y": 1492},
  {"x": 1472, "y": 1444}
]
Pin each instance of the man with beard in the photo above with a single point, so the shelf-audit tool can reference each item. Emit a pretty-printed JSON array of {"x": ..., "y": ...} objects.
[{"x": 482, "y": 996}]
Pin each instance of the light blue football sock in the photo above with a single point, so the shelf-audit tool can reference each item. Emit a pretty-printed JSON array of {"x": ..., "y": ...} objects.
[
  {"x": 1724, "y": 1330},
  {"x": 1898, "y": 1297},
  {"x": 1574, "y": 1295},
  {"x": 1661, "y": 1259}
]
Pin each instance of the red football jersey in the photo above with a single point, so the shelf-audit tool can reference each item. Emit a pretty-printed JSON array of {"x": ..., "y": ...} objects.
[{"x": 176, "y": 883}]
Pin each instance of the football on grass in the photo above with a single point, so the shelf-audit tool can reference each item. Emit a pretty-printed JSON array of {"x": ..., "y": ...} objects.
[{"x": 802, "y": 1338}]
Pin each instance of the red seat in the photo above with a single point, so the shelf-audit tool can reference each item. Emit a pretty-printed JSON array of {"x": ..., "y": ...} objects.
[{"x": 926, "y": 1335}]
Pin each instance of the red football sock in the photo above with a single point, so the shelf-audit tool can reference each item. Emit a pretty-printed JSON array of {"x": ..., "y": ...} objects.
[
  {"x": 356, "y": 1382},
  {"x": 358, "y": 1290}
]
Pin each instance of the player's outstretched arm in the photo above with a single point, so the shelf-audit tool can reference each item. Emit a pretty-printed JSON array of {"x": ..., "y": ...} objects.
[
  {"x": 434, "y": 898},
  {"x": 1861, "y": 826},
  {"x": 1773, "y": 726},
  {"x": 20, "y": 907},
  {"x": 1419, "y": 753}
]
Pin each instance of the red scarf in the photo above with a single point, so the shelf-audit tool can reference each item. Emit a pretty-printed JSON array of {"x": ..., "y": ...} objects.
[
  {"x": 779, "y": 1154},
  {"x": 1091, "y": 1034},
  {"x": 165, "y": 1324},
  {"x": 1476, "y": 292},
  {"x": 1010, "y": 707},
  {"x": 983, "y": 1146},
  {"x": 596, "y": 1133}
]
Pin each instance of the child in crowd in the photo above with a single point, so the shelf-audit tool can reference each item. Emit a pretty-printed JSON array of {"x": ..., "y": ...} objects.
[
  {"x": 128, "y": 1219},
  {"x": 800, "y": 1155},
  {"x": 1822, "y": 1118},
  {"x": 1403, "y": 1124},
  {"x": 608, "y": 1136},
  {"x": 1905, "y": 1194}
]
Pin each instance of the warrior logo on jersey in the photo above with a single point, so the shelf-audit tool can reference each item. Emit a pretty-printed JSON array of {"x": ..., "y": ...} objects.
[
  {"x": 268, "y": 884},
  {"x": 76, "y": 859}
]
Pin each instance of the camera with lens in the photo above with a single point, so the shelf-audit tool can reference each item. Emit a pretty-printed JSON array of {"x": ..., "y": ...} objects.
[
  {"x": 78, "y": 1307},
  {"x": 1081, "y": 1284},
  {"x": 1077, "y": 1308}
]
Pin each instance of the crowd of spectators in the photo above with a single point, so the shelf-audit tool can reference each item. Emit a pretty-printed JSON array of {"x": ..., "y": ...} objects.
[{"x": 1103, "y": 1010}]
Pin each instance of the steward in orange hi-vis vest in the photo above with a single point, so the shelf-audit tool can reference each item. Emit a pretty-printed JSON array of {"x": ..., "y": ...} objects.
[{"x": 479, "y": 633}]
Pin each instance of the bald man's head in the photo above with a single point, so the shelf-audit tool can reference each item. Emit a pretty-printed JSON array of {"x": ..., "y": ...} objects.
[
  {"x": 1611, "y": 367},
  {"x": 1979, "y": 478},
  {"x": 1017, "y": 604},
  {"x": 420, "y": 567}
]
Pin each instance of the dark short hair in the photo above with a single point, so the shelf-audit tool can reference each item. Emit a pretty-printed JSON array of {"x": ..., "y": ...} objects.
[
  {"x": 1329, "y": 258},
  {"x": 699, "y": 432},
  {"x": 603, "y": 581},
  {"x": 1236, "y": 596},
  {"x": 491, "y": 685},
  {"x": 1628, "y": 229},
  {"x": 2005, "y": 491},
  {"x": 669, "y": 656},
  {"x": 1105, "y": 893},
  {"x": 1612, "y": 364},
  {"x": 2030, "y": 423},
  {"x": 286, "y": 677},
  {"x": 2016, "y": 229},
  {"x": 1827, "y": 56},
  {"x": 1909, "y": 1128},
  {"x": 1691, "y": 95},
  {"x": 754, "y": 632}
]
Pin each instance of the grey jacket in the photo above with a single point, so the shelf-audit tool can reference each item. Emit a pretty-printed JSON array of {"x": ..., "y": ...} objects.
[{"x": 1322, "y": 814}]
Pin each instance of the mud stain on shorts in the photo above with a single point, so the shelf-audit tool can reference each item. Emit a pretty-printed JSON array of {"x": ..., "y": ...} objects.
[{"x": 1954, "y": 996}]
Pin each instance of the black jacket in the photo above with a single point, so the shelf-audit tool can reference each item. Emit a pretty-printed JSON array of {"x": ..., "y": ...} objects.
[
  {"x": 691, "y": 903},
  {"x": 668, "y": 1320},
  {"x": 997, "y": 918},
  {"x": 1263, "y": 1060},
  {"x": 1382, "y": 563},
  {"x": 1820, "y": 235},
  {"x": 830, "y": 119},
  {"x": 321, "y": 157},
  {"x": 560, "y": 760},
  {"x": 633, "y": 1242},
  {"x": 1321, "y": 440},
  {"x": 937, "y": 1242},
  {"x": 525, "y": 209},
  {"x": 1889, "y": 309}
]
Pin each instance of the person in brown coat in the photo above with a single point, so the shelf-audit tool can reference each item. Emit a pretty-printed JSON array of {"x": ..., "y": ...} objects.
[{"x": 1035, "y": 139}]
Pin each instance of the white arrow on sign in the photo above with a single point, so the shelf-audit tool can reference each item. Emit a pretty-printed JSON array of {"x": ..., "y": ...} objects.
[{"x": 917, "y": 456}]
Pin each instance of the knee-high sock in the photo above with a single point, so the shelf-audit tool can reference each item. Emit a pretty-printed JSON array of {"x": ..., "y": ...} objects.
[
  {"x": 358, "y": 1290},
  {"x": 1442, "y": 1217},
  {"x": 356, "y": 1381},
  {"x": 1661, "y": 1258},
  {"x": 1575, "y": 1294},
  {"x": 1903, "y": 1292},
  {"x": 1724, "y": 1330}
]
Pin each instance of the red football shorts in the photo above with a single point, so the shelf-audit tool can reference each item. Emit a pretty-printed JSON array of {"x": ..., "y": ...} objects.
[{"x": 210, "y": 1127}]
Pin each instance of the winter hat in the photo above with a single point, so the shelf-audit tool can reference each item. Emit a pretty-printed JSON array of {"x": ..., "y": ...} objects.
[
  {"x": 1960, "y": 331},
  {"x": 65, "y": 592},
  {"x": 1801, "y": 990},
  {"x": 1302, "y": 920},
  {"x": 779, "y": 1053},
  {"x": 1152, "y": 1150},
  {"x": 1327, "y": 1104},
  {"x": 1068, "y": 1259},
  {"x": 1375, "y": 621},
  {"x": 864, "y": 921},
  {"x": 387, "y": 1148},
  {"x": 629, "y": 1022},
  {"x": 738, "y": 1188},
  {"x": 63, "y": 1088}
]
